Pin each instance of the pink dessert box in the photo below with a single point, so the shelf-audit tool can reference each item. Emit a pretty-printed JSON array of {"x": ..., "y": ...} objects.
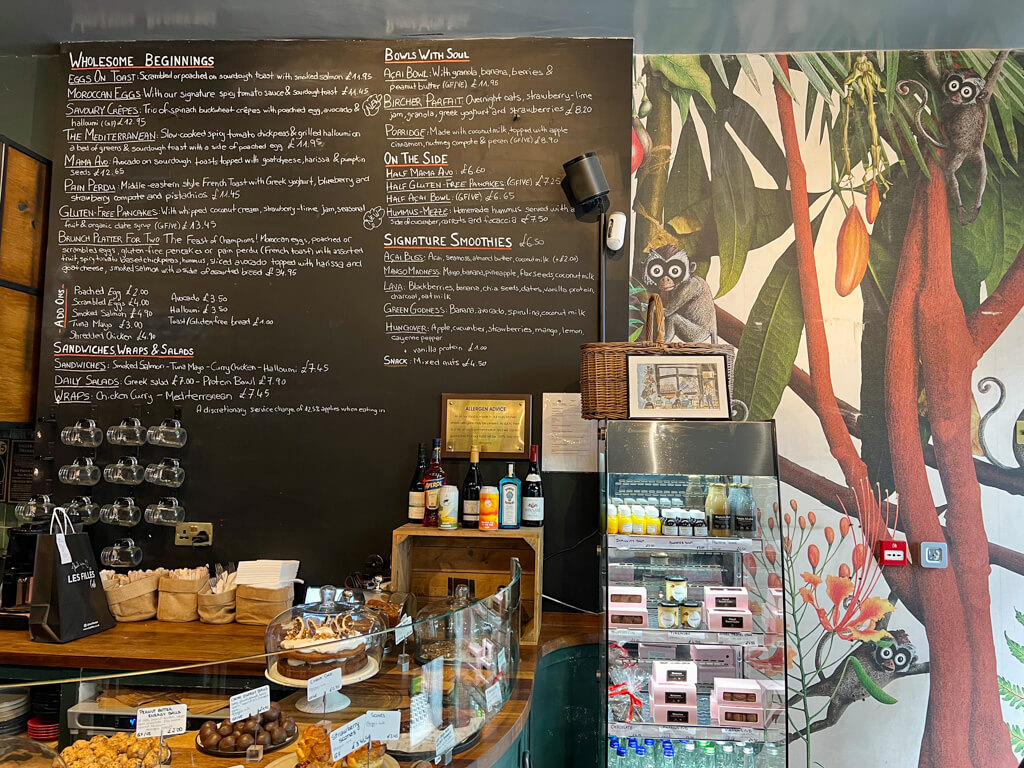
[
  {"x": 674, "y": 714},
  {"x": 674, "y": 672},
  {"x": 627, "y": 597},
  {"x": 737, "y": 717},
  {"x": 713, "y": 661},
  {"x": 675, "y": 694},
  {"x": 726, "y": 597},
  {"x": 776, "y": 599},
  {"x": 656, "y": 651},
  {"x": 674, "y": 683},
  {"x": 627, "y": 618},
  {"x": 728, "y": 619},
  {"x": 738, "y": 692}
]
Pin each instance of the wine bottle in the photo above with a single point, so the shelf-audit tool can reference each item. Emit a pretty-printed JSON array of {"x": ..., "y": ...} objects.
[
  {"x": 509, "y": 492},
  {"x": 533, "y": 494},
  {"x": 433, "y": 479},
  {"x": 416, "y": 500},
  {"x": 471, "y": 491}
]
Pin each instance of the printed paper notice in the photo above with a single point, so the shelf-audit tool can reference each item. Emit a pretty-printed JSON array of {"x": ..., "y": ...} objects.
[
  {"x": 248, "y": 703},
  {"x": 569, "y": 440},
  {"x": 160, "y": 721},
  {"x": 419, "y": 719}
]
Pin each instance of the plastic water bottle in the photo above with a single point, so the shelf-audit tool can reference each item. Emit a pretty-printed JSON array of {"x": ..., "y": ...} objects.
[
  {"x": 689, "y": 757},
  {"x": 621, "y": 758},
  {"x": 774, "y": 757},
  {"x": 748, "y": 757},
  {"x": 668, "y": 758},
  {"x": 613, "y": 748},
  {"x": 652, "y": 748},
  {"x": 709, "y": 757},
  {"x": 632, "y": 742},
  {"x": 726, "y": 756}
]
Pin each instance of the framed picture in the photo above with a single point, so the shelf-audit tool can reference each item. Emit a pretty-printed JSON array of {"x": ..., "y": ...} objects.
[
  {"x": 498, "y": 424},
  {"x": 678, "y": 387}
]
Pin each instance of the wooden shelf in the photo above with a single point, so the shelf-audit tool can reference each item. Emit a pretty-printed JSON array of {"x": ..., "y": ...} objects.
[{"x": 426, "y": 561}]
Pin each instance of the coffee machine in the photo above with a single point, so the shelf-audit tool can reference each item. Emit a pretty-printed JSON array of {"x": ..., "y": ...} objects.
[{"x": 16, "y": 568}]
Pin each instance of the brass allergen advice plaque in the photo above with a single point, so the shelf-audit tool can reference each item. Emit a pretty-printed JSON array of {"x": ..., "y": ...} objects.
[{"x": 498, "y": 424}]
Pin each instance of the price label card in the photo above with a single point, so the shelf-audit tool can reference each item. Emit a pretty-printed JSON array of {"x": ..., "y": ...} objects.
[
  {"x": 739, "y": 733},
  {"x": 323, "y": 684},
  {"x": 247, "y": 703},
  {"x": 444, "y": 743},
  {"x": 419, "y": 719},
  {"x": 493, "y": 697},
  {"x": 348, "y": 738},
  {"x": 160, "y": 721},
  {"x": 404, "y": 629},
  {"x": 383, "y": 725}
]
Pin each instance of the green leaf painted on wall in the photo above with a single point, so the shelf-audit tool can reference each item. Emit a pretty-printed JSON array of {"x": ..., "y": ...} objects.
[
  {"x": 770, "y": 340},
  {"x": 1016, "y": 649},
  {"x": 1011, "y": 694},
  {"x": 732, "y": 195},
  {"x": 751, "y": 129},
  {"x": 684, "y": 71},
  {"x": 687, "y": 199},
  {"x": 997, "y": 235}
]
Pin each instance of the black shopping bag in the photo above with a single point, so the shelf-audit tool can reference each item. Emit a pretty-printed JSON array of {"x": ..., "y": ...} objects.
[{"x": 67, "y": 597}]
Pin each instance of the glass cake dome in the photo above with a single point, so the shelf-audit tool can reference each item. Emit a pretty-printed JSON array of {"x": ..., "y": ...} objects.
[
  {"x": 311, "y": 639},
  {"x": 456, "y": 627}
]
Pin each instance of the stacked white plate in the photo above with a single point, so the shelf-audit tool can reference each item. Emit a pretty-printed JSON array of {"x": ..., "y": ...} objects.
[{"x": 13, "y": 711}]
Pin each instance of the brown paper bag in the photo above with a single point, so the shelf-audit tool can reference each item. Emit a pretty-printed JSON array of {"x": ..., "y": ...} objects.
[
  {"x": 135, "y": 601},
  {"x": 217, "y": 608},
  {"x": 179, "y": 599},
  {"x": 256, "y": 605}
]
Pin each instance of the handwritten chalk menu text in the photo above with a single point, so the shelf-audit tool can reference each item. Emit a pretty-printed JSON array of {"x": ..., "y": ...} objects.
[{"x": 298, "y": 245}]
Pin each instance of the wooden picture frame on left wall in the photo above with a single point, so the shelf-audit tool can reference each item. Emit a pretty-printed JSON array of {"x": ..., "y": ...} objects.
[{"x": 24, "y": 207}]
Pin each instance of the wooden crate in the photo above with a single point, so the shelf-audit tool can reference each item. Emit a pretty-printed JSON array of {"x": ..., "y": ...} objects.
[{"x": 424, "y": 560}]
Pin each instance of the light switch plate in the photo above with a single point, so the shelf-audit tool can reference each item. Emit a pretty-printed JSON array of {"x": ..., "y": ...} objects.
[
  {"x": 934, "y": 554},
  {"x": 193, "y": 534}
]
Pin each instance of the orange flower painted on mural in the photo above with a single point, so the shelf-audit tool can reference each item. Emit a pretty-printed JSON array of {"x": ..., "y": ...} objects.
[{"x": 853, "y": 616}]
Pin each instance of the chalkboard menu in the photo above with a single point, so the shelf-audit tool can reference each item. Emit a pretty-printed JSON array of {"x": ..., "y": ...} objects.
[{"x": 296, "y": 247}]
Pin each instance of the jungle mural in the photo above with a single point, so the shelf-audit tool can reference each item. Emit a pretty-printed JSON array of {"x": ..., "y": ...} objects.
[{"x": 853, "y": 224}]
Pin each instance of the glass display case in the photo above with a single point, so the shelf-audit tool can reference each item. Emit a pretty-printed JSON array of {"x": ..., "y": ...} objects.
[
  {"x": 694, "y": 595},
  {"x": 393, "y": 703}
]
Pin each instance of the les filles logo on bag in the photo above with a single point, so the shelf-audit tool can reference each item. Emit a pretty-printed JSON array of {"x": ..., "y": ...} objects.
[{"x": 82, "y": 572}]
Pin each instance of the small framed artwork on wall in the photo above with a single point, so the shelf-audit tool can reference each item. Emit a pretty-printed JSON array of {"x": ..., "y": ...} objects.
[{"x": 678, "y": 387}]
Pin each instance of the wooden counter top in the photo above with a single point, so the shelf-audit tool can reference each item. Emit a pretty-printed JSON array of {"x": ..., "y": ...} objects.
[
  {"x": 143, "y": 645},
  {"x": 158, "y": 645}
]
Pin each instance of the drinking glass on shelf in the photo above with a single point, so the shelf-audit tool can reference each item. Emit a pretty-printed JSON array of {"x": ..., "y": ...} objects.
[
  {"x": 84, "y": 434},
  {"x": 82, "y": 471},
  {"x": 122, "y": 511},
  {"x": 167, "y": 511},
  {"x": 84, "y": 509},
  {"x": 168, "y": 434},
  {"x": 129, "y": 432},
  {"x": 168, "y": 472},
  {"x": 36, "y": 509},
  {"x": 125, "y": 471},
  {"x": 124, "y": 553}
]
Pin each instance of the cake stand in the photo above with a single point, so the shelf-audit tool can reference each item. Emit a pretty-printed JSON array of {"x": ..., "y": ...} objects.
[{"x": 335, "y": 701}]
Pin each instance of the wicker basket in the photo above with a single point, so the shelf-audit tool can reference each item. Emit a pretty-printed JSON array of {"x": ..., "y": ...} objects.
[{"x": 604, "y": 367}]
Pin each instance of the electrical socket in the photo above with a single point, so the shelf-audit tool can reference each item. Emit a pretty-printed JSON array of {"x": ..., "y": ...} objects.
[{"x": 193, "y": 534}]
